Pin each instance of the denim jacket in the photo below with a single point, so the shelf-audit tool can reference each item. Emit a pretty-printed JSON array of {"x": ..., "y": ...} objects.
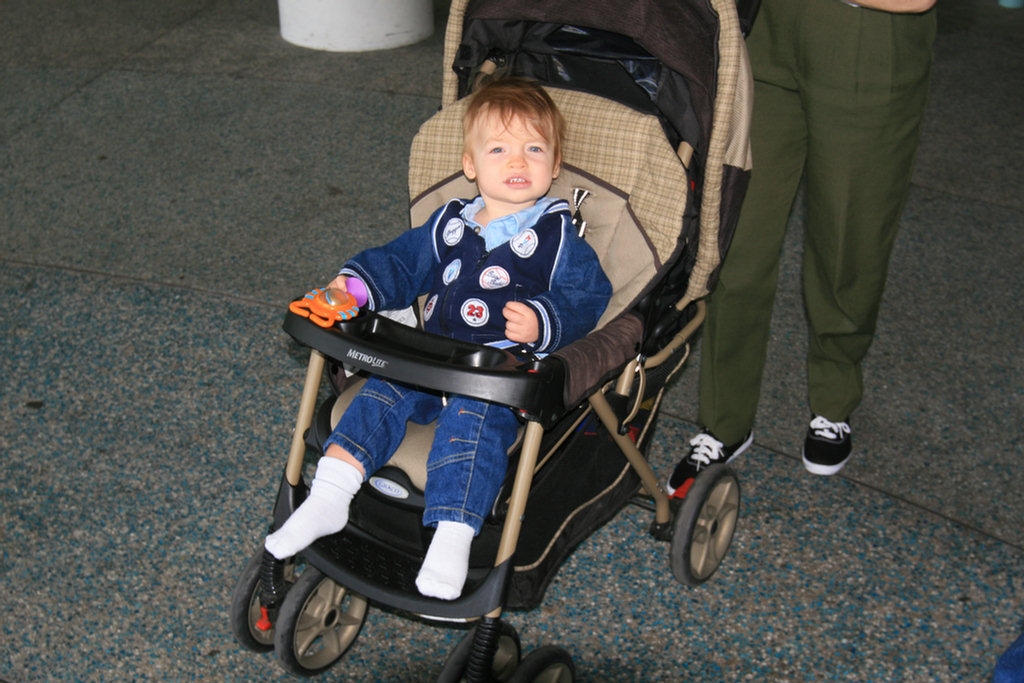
[{"x": 546, "y": 265}]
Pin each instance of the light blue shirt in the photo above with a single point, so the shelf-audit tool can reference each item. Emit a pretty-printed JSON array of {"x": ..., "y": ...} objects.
[{"x": 501, "y": 230}]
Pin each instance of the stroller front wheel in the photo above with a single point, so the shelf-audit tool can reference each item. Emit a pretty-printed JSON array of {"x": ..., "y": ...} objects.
[
  {"x": 546, "y": 664},
  {"x": 245, "y": 605},
  {"x": 704, "y": 525},
  {"x": 318, "y": 622},
  {"x": 506, "y": 656}
]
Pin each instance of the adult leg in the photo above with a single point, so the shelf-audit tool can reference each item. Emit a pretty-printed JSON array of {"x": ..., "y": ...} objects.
[
  {"x": 740, "y": 307},
  {"x": 864, "y": 120}
]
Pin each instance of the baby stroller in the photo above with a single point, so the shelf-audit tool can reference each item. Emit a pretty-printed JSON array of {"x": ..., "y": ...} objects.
[{"x": 655, "y": 93}]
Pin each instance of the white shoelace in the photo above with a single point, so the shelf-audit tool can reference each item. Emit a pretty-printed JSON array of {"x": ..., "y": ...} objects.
[
  {"x": 706, "y": 449},
  {"x": 826, "y": 429}
]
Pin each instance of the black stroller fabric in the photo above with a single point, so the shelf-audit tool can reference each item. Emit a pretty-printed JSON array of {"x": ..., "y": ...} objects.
[{"x": 674, "y": 32}]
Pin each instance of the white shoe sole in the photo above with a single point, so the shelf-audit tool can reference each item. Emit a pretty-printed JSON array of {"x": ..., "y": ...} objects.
[
  {"x": 822, "y": 470},
  {"x": 742, "y": 447}
]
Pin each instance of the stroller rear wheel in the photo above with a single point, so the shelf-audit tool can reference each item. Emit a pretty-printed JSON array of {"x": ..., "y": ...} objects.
[
  {"x": 245, "y": 605},
  {"x": 704, "y": 525},
  {"x": 547, "y": 664},
  {"x": 318, "y": 622},
  {"x": 506, "y": 657}
]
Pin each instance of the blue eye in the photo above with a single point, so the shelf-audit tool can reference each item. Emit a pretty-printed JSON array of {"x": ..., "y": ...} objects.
[{"x": 497, "y": 150}]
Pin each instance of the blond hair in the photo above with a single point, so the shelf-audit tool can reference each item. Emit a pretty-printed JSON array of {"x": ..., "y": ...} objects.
[{"x": 510, "y": 97}]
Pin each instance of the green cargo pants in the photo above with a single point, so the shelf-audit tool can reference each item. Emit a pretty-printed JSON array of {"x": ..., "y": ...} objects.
[{"x": 839, "y": 97}]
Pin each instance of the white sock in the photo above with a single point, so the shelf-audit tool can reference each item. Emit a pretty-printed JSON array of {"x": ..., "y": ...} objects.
[
  {"x": 324, "y": 512},
  {"x": 447, "y": 562}
]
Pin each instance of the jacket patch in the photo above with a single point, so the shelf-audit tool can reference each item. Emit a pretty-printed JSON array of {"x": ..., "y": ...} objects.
[
  {"x": 451, "y": 271},
  {"x": 524, "y": 244},
  {"x": 494, "y": 277},
  {"x": 474, "y": 312},
  {"x": 428, "y": 310},
  {"x": 452, "y": 232}
]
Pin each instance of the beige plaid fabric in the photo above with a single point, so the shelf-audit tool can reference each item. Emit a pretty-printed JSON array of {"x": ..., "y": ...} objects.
[
  {"x": 452, "y": 39},
  {"x": 628, "y": 150},
  {"x": 729, "y": 144}
]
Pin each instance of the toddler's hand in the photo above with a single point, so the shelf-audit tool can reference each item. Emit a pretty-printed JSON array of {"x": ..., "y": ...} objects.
[
  {"x": 351, "y": 285},
  {"x": 338, "y": 283},
  {"x": 521, "y": 323}
]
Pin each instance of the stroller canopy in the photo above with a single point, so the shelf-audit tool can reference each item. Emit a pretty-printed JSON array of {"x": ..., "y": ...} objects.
[{"x": 650, "y": 55}]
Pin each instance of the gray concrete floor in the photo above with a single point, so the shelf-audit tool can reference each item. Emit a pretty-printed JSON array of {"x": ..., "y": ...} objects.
[{"x": 171, "y": 174}]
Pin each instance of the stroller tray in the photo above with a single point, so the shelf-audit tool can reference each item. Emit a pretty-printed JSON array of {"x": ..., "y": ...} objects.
[{"x": 376, "y": 344}]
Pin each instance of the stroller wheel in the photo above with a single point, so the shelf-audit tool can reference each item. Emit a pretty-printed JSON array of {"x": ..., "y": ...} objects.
[
  {"x": 245, "y": 605},
  {"x": 547, "y": 664},
  {"x": 704, "y": 525},
  {"x": 318, "y": 622},
  {"x": 506, "y": 657}
]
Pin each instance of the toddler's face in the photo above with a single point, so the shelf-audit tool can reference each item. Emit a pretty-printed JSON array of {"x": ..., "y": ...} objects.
[{"x": 513, "y": 165}]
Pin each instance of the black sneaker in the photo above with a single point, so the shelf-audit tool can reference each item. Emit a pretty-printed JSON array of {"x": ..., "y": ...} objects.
[
  {"x": 705, "y": 450},
  {"x": 827, "y": 446}
]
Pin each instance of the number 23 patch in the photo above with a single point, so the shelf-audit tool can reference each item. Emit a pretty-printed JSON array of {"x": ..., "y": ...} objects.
[{"x": 474, "y": 312}]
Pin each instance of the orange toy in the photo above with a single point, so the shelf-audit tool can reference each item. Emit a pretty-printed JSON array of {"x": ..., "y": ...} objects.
[{"x": 326, "y": 306}]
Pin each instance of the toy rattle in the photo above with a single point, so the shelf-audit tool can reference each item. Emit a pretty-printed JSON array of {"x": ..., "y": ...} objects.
[{"x": 329, "y": 305}]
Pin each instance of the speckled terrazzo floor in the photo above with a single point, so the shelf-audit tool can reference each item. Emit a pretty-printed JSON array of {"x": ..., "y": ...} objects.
[{"x": 171, "y": 173}]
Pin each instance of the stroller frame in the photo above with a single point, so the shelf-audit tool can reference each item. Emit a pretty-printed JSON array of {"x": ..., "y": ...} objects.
[{"x": 485, "y": 600}]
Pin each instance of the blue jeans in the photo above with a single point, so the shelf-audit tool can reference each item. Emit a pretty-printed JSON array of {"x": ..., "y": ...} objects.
[{"x": 467, "y": 460}]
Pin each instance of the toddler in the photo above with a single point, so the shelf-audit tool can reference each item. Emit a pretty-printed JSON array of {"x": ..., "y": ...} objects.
[{"x": 505, "y": 269}]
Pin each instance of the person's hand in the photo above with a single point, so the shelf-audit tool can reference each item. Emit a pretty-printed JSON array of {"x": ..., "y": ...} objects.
[
  {"x": 521, "y": 323},
  {"x": 338, "y": 283}
]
